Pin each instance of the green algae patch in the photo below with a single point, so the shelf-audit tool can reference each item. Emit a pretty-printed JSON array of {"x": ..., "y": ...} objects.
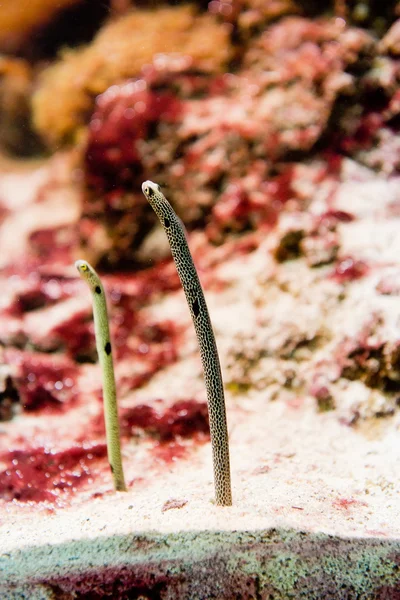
[
  {"x": 280, "y": 573},
  {"x": 285, "y": 564},
  {"x": 363, "y": 570},
  {"x": 285, "y": 570}
]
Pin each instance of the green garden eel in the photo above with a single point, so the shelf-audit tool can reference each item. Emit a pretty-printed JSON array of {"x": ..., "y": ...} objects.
[
  {"x": 103, "y": 345},
  {"x": 208, "y": 349}
]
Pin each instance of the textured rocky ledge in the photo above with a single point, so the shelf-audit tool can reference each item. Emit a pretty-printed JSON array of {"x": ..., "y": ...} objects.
[{"x": 251, "y": 564}]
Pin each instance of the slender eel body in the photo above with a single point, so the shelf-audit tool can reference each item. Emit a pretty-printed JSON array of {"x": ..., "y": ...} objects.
[
  {"x": 103, "y": 345},
  {"x": 205, "y": 335}
]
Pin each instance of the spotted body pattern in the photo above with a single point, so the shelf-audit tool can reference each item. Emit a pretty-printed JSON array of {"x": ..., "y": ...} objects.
[
  {"x": 104, "y": 351},
  {"x": 205, "y": 335}
]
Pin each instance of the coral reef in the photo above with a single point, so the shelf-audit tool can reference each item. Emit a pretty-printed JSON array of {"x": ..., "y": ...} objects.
[
  {"x": 65, "y": 95},
  {"x": 223, "y": 145}
]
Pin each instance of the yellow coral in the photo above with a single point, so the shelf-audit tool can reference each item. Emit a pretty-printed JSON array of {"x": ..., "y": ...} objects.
[
  {"x": 19, "y": 19},
  {"x": 121, "y": 49}
]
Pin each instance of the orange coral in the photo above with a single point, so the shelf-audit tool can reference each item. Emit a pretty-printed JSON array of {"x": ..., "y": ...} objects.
[
  {"x": 18, "y": 19},
  {"x": 121, "y": 49}
]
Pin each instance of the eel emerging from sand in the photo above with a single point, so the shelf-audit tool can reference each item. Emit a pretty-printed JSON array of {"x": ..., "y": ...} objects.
[
  {"x": 208, "y": 349},
  {"x": 103, "y": 345}
]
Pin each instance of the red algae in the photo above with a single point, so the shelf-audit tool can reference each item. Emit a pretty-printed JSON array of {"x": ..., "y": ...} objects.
[
  {"x": 40, "y": 291},
  {"x": 127, "y": 322},
  {"x": 27, "y": 301},
  {"x": 45, "y": 241},
  {"x": 332, "y": 217},
  {"x": 128, "y": 383},
  {"x": 238, "y": 209},
  {"x": 333, "y": 165},
  {"x": 39, "y": 474},
  {"x": 170, "y": 452},
  {"x": 369, "y": 359},
  {"x": 124, "y": 115},
  {"x": 132, "y": 333},
  {"x": 52, "y": 246},
  {"x": 349, "y": 269},
  {"x": 233, "y": 207},
  {"x": 364, "y": 136},
  {"x": 184, "y": 418},
  {"x": 44, "y": 383},
  {"x": 346, "y": 503},
  {"x": 153, "y": 344},
  {"x": 279, "y": 191},
  {"x": 280, "y": 188},
  {"x": 142, "y": 285},
  {"x": 76, "y": 336}
]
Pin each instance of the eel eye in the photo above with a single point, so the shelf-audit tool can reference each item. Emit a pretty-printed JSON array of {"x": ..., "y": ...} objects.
[
  {"x": 84, "y": 268},
  {"x": 146, "y": 190}
]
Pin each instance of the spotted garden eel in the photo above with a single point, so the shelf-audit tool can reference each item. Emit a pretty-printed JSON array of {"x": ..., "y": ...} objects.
[
  {"x": 103, "y": 345},
  {"x": 208, "y": 349}
]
